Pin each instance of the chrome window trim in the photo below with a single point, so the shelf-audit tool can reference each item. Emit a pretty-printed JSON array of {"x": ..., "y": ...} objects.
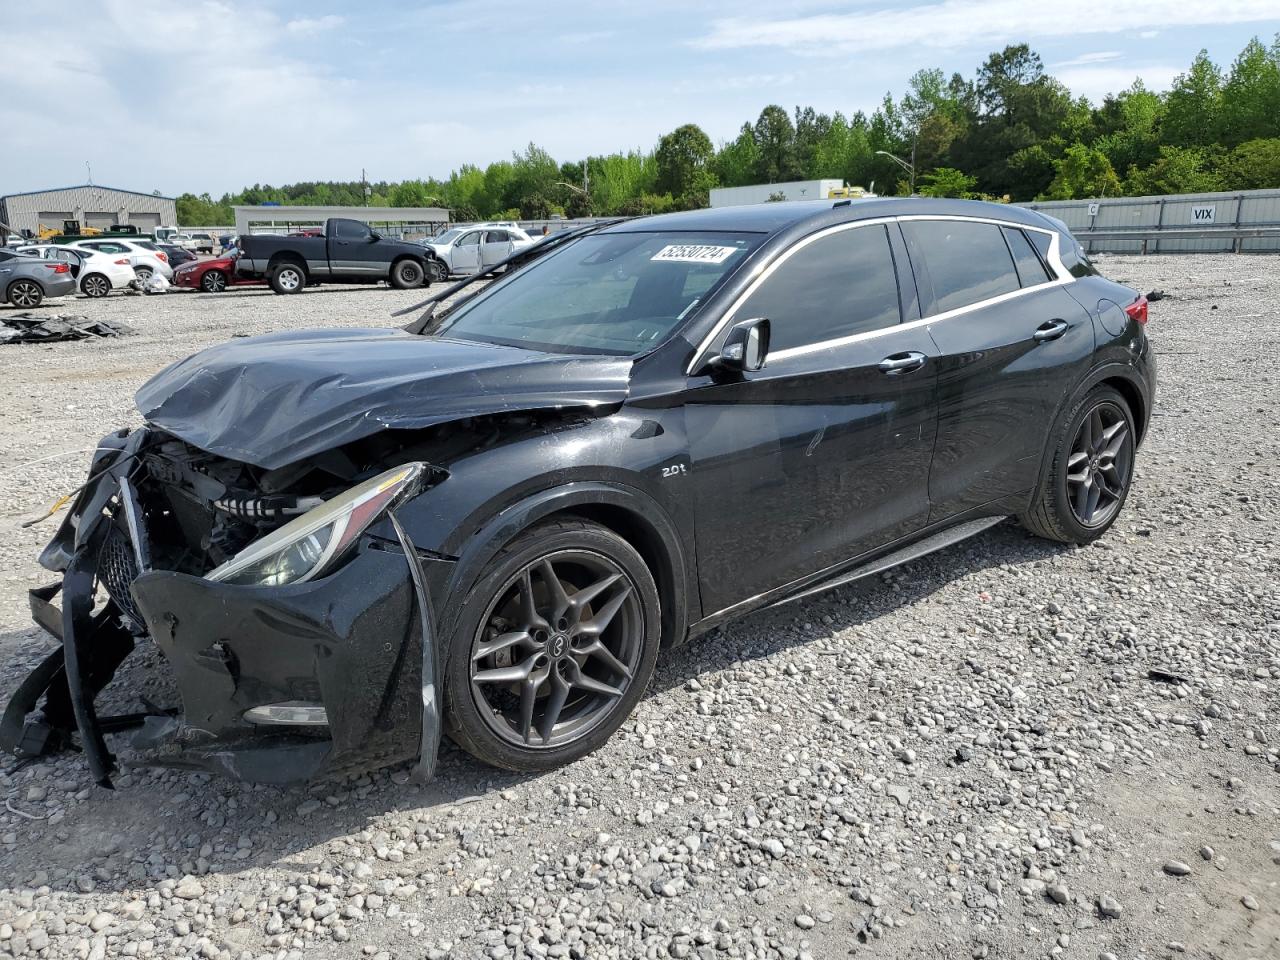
[{"x": 764, "y": 271}]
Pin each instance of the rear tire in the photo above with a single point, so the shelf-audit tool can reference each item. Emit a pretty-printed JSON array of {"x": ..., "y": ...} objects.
[
  {"x": 437, "y": 272},
  {"x": 143, "y": 273},
  {"x": 589, "y": 662},
  {"x": 406, "y": 274},
  {"x": 288, "y": 278},
  {"x": 215, "y": 281},
  {"x": 25, "y": 293},
  {"x": 1091, "y": 471},
  {"x": 95, "y": 285}
]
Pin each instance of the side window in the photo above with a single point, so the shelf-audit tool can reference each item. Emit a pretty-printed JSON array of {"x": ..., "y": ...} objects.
[
  {"x": 350, "y": 230},
  {"x": 966, "y": 261},
  {"x": 1031, "y": 271},
  {"x": 495, "y": 236},
  {"x": 1041, "y": 241},
  {"x": 836, "y": 286},
  {"x": 470, "y": 240}
]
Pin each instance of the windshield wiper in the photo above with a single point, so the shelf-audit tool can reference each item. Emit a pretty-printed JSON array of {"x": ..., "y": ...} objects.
[{"x": 517, "y": 260}]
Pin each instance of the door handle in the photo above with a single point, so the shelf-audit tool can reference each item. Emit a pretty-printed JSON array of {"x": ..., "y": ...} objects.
[
  {"x": 900, "y": 363},
  {"x": 1051, "y": 330}
]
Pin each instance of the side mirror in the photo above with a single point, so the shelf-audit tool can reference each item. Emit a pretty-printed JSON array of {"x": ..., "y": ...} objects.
[
  {"x": 746, "y": 346},
  {"x": 374, "y": 238}
]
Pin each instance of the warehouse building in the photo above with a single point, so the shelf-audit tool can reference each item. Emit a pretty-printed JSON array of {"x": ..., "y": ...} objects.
[{"x": 90, "y": 205}]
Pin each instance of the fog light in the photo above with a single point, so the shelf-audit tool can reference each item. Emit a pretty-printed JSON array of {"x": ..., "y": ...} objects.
[{"x": 296, "y": 713}]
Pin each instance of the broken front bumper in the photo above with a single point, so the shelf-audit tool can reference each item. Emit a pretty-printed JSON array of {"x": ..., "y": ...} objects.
[{"x": 278, "y": 684}]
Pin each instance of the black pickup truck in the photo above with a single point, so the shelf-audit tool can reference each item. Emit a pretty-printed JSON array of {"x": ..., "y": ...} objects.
[{"x": 347, "y": 252}]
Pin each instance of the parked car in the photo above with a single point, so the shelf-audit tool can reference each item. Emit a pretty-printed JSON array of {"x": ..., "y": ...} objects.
[
  {"x": 96, "y": 274},
  {"x": 348, "y": 252},
  {"x": 177, "y": 255},
  {"x": 26, "y": 281},
  {"x": 202, "y": 242},
  {"x": 212, "y": 276},
  {"x": 226, "y": 241},
  {"x": 463, "y": 250},
  {"x": 489, "y": 522},
  {"x": 145, "y": 255}
]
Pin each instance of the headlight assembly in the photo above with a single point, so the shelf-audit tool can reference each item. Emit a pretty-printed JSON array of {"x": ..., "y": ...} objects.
[{"x": 305, "y": 547}]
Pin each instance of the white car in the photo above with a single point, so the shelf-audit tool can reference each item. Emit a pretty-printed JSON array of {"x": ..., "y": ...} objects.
[
  {"x": 471, "y": 248},
  {"x": 97, "y": 274},
  {"x": 148, "y": 260}
]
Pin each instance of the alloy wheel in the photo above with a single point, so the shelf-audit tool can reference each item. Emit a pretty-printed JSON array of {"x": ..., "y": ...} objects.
[
  {"x": 1099, "y": 464},
  {"x": 557, "y": 650},
  {"x": 289, "y": 278},
  {"x": 25, "y": 293},
  {"x": 214, "y": 282},
  {"x": 96, "y": 286}
]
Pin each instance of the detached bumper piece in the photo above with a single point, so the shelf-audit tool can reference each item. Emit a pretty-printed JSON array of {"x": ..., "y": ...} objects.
[{"x": 277, "y": 684}]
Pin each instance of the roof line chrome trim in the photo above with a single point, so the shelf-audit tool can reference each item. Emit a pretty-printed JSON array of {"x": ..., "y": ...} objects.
[{"x": 765, "y": 270}]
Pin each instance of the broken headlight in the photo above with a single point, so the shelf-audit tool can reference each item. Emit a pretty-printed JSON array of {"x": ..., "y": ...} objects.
[{"x": 305, "y": 547}]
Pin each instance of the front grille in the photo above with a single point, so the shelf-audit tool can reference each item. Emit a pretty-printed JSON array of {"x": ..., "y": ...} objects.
[{"x": 117, "y": 569}]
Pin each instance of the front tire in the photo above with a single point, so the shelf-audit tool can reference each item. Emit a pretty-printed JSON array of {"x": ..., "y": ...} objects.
[
  {"x": 553, "y": 647},
  {"x": 406, "y": 274},
  {"x": 437, "y": 272},
  {"x": 143, "y": 273},
  {"x": 25, "y": 293},
  {"x": 288, "y": 278},
  {"x": 95, "y": 285},
  {"x": 1090, "y": 473},
  {"x": 215, "y": 281}
]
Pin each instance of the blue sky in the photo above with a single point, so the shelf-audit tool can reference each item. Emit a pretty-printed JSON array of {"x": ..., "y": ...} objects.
[{"x": 217, "y": 94}]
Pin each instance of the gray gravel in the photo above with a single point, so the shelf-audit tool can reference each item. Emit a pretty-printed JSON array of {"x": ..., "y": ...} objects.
[{"x": 1009, "y": 748}]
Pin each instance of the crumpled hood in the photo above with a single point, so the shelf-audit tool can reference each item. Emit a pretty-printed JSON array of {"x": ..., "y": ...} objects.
[{"x": 276, "y": 399}]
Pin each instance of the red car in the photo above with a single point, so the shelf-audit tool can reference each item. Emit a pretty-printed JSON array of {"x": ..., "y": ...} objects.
[{"x": 211, "y": 276}]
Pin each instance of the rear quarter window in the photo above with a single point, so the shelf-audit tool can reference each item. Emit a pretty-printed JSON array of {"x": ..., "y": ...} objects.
[{"x": 1031, "y": 270}]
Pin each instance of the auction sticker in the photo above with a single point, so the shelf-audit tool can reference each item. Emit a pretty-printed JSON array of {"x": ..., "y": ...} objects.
[{"x": 694, "y": 253}]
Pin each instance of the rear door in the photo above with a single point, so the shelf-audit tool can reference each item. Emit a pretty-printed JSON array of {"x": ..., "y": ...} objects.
[
  {"x": 1012, "y": 344},
  {"x": 495, "y": 247},
  {"x": 824, "y": 453}
]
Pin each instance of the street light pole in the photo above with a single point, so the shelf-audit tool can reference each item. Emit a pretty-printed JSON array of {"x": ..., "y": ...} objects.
[{"x": 909, "y": 167}]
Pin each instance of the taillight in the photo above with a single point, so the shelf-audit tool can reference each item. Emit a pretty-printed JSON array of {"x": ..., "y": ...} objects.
[
  {"x": 122, "y": 262},
  {"x": 162, "y": 257},
  {"x": 1138, "y": 310},
  {"x": 58, "y": 267}
]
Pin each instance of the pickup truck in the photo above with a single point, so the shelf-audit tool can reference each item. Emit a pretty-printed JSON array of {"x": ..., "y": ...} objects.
[{"x": 348, "y": 252}]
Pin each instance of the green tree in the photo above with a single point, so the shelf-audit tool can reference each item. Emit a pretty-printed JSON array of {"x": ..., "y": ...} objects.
[
  {"x": 1254, "y": 165},
  {"x": 1083, "y": 172},
  {"x": 683, "y": 161},
  {"x": 775, "y": 138},
  {"x": 1250, "y": 105},
  {"x": 736, "y": 162},
  {"x": 947, "y": 182},
  {"x": 1192, "y": 105},
  {"x": 1177, "y": 170}
]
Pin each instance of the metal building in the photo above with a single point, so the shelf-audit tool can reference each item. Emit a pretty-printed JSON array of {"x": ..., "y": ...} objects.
[
  {"x": 93, "y": 206},
  {"x": 406, "y": 222}
]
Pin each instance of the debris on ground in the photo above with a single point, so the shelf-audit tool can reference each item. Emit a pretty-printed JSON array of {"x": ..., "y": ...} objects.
[
  {"x": 1155, "y": 295},
  {"x": 50, "y": 328}
]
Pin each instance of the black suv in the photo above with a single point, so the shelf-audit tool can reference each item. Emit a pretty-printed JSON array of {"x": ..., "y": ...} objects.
[{"x": 346, "y": 542}]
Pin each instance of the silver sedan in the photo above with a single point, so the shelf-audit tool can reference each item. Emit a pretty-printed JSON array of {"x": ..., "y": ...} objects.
[{"x": 25, "y": 281}]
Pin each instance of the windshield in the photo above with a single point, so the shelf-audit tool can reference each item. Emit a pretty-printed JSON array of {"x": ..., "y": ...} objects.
[
  {"x": 448, "y": 236},
  {"x": 608, "y": 293}
]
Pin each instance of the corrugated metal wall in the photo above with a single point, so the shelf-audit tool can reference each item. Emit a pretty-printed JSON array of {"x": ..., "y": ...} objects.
[
  {"x": 1184, "y": 211},
  {"x": 91, "y": 205}
]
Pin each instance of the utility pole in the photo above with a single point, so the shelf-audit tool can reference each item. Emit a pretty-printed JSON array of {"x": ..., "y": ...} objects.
[
  {"x": 364, "y": 187},
  {"x": 89, "y": 170}
]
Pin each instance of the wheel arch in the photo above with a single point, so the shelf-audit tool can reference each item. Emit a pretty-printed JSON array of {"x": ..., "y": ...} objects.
[
  {"x": 625, "y": 511},
  {"x": 288, "y": 256},
  {"x": 1122, "y": 378}
]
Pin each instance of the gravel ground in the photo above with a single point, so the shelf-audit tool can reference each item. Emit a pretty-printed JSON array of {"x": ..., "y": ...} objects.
[{"x": 1009, "y": 748}]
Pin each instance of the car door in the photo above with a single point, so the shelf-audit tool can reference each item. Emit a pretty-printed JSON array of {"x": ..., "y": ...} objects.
[
  {"x": 495, "y": 247},
  {"x": 1012, "y": 344},
  {"x": 823, "y": 454},
  {"x": 465, "y": 256},
  {"x": 354, "y": 252}
]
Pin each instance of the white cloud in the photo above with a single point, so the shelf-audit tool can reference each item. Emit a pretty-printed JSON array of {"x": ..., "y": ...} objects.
[
  {"x": 1095, "y": 82},
  {"x": 959, "y": 23},
  {"x": 1102, "y": 56},
  {"x": 309, "y": 25}
]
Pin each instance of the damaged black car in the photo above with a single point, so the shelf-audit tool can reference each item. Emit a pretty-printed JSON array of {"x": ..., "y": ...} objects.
[{"x": 349, "y": 543}]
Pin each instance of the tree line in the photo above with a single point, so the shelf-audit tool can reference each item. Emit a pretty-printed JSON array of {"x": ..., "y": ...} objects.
[{"x": 1011, "y": 132}]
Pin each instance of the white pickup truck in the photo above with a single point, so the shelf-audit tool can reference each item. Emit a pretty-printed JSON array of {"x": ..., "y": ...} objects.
[{"x": 473, "y": 247}]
